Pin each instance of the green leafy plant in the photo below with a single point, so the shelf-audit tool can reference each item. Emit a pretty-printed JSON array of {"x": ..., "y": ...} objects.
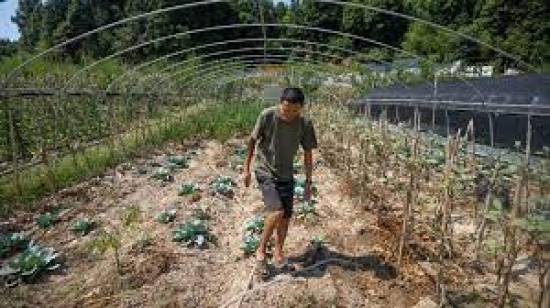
[
  {"x": 223, "y": 185},
  {"x": 131, "y": 216},
  {"x": 46, "y": 220},
  {"x": 187, "y": 188},
  {"x": 32, "y": 263},
  {"x": 250, "y": 243},
  {"x": 11, "y": 243},
  {"x": 108, "y": 240},
  {"x": 240, "y": 152},
  {"x": 193, "y": 233},
  {"x": 253, "y": 229},
  {"x": 162, "y": 174},
  {"x": 237, "y": 160},
  {"x": 254, "y": 224},
  {"x": 82, "y": 226},
  {"x": 318, "y": 242},
  {"x": 299, "y": 189},
  {"x": 306, "y": 209},
  {"x": 177, "y": 162},
  {"x": 166, "y": 216}
]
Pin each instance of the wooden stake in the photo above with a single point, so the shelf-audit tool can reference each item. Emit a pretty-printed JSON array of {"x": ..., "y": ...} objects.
[
  {"x": 14, "y": 155},
  {"x": 491, "y": 130}
]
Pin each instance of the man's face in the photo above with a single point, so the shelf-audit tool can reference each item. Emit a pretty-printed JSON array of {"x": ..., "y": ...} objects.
[{"x": 289, "y": 111}]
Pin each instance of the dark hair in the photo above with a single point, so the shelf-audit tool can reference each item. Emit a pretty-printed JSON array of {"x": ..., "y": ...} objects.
[{"x": 293, "y": 95}]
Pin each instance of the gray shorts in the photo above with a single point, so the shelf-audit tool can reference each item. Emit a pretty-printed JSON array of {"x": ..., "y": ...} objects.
[{"x": 277, "y": 195}]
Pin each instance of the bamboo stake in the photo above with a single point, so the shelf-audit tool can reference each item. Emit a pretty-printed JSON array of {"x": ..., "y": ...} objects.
[
  {"x": 491, "y": 130},
  {"x": 14, "y": 150}
]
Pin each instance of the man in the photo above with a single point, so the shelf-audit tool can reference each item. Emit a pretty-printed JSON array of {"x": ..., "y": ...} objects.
[{"x": 278, "y": 132}]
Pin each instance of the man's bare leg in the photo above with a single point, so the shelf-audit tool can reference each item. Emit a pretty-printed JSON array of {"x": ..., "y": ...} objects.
[
  {"x": 272, "y": 220},
  {"x": 280, "y": 236}
]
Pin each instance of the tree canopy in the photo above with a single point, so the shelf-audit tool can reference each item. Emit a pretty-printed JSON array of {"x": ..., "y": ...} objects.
[{"x": 518, "y": 27}]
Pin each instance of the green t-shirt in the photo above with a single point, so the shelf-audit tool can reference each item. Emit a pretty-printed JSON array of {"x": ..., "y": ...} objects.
[{"x": 277, "y": 142}]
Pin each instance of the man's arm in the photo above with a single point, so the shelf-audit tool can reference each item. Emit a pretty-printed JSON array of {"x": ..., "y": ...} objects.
[
  {"x": 249, "y": 156},
  {"x": 308, "y": 164}
]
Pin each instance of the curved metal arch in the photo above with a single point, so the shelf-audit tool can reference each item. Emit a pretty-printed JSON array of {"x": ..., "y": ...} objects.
[
  {"x": 257, "y": 56},
  {"x": 320, "y": 65},
  {"x": 434, "y": 25},
  {"x": 214, "y": 75},
  {"x": 237, "y": 26},
  {"x": 225, "y": 81},
  {"x": 238, "y": 65},
  {"x": 177, "y": 64},
  {"x": 12, "y": 73},
  {"x": 261, "y": 48},
  {"x": 233, "y": 26},
  {"x": 174, "y": 54},
  {"x": 163, "y": 79}
]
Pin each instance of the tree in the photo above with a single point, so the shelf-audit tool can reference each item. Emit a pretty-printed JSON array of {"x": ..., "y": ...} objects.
[
  {"x": 28, "y": 19},
  {"x": 7, "y": 48},
  {"x": 373, "y": 25}
]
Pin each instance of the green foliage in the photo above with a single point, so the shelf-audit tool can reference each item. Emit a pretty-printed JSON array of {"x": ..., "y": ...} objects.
[
  {"x": 223, "y": 185},
  {"x": 34, "y": 261},
  {"x": 187, "y": 188},
  {"x": 215, "y": 120},
  {"x": 162, "y": 174},
  {"x": 538, "y": 220},
  {"x": 299, "y": 189},
  {"x": 166, "y": 216},
  {"x": 253, "y": 229},
  {"x": 7, "y": 48},
  {"x": 250, "y": 243},
  {"x": 536, "y": 224},
  {"x": 237, "y": 160},
  {"x": 82, "y": 226},
  {"x": 11, "y": 243},
  {"x": 318, "y": 242},
  {"x": 105, "y": 241},
  {"x": 177, "y": 162},
  {"x": 255, "y": 224},
  {"x": 131, "y": 216},
  {"x": 306, "y": 210},
  {"x": 47, "y": 220},
  {"x": 193, "y": 233}
]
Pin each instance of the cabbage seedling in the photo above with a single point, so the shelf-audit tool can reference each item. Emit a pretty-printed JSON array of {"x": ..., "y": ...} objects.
[
  {"x": 223, "y": 185},
  {"x": 46, "y": 220},
  {"x": 299, "y": 189},
  {"x": 187, "y": 188},
  {"x": 250, "y": 243},
  {"x": 12, "y": 243},
  {"x": 193, "y": 233},
  {"x": 306, "y": 209},
  {"x": 318, "y": 242},
  {"x": 254, "y": 224},
  {"x": 166, "y": 216},
  {"x": 82, "y": 226},
  {"x": 177, "y": 162},
  {"x": 162, "y": 174}
]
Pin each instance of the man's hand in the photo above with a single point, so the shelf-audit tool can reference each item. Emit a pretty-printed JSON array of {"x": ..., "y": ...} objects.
[
  {"x": 246, "y": 171},
  {"x": 246, "y": 178}
]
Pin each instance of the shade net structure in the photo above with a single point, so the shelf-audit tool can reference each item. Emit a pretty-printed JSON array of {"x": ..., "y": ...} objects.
[{"x": 134, "y": 118}]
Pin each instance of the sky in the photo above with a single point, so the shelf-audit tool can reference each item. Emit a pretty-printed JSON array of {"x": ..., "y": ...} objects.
[{"x": 8, "y": 30}]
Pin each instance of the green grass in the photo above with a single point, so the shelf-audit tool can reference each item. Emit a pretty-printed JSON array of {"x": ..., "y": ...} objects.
[{"x": 218, "y": 121}]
